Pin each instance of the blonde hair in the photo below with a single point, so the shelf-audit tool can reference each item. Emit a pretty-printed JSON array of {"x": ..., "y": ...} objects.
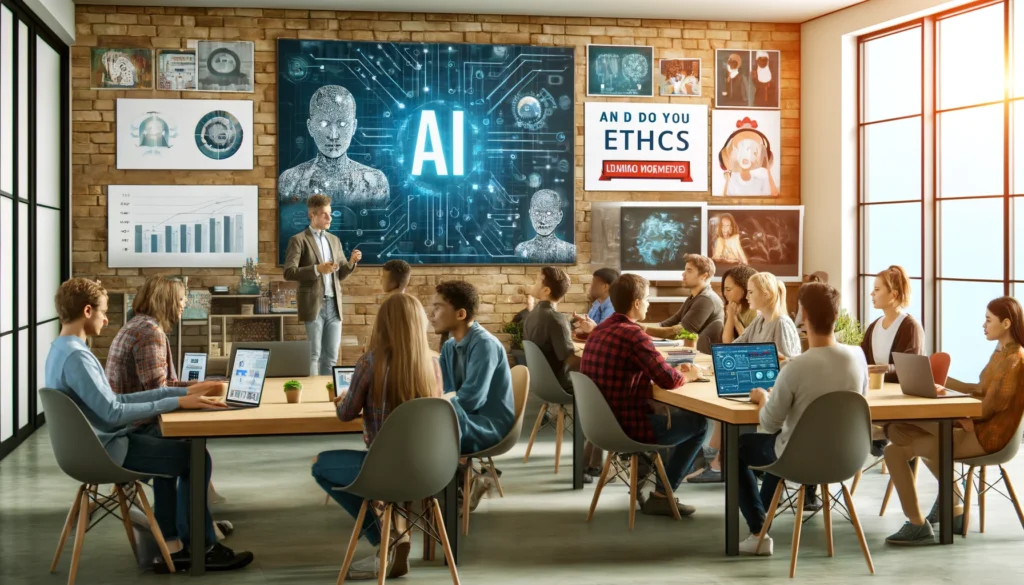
[
  {"x": 403, "y": 367},
  {"x": 773, "y": 290},
  {"x": 75, "y": 295},
  {"x": 158, "y": 298}
]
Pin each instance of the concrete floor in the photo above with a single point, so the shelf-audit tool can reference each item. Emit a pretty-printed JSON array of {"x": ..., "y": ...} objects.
[{"x": 536, "y": 535}]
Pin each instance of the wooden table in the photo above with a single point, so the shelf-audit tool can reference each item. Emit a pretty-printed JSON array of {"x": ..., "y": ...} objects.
[
  {"x": 887, "y": 405},
  {"x": 314, "y": 415}
]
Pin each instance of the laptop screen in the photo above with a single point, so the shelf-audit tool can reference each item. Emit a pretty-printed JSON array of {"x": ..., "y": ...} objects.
[
  {"x": 342, "y": 378},
  {"x": 247, "y": 375},
  {"x": 193, "y": 368},
  {"x": 741, "y": 367}
]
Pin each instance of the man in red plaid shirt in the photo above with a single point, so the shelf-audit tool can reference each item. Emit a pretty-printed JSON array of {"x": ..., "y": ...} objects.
[{"x": 623, "y": 362}]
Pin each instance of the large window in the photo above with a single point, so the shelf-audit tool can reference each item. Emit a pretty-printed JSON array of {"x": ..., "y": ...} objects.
[{"x": 34, "y": 158}]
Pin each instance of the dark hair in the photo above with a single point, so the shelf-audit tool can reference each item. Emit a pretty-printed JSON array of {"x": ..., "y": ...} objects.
[
  {"x": 1009, "y": 308},
  {"x": 606, "y": 275},
  {"x": 317, "y": 201},
  {"x": 626, "y": 290},
  {"x": 703, "y": 264},
  {"x": 820, "y": 302},
  {"x": 557, "y": 280},
  {"x": 740, "y": 275},
  {"x": 460, "y": 295},
  {"x": 399, "y": 272},
  {"x": 896, "y": 280}
]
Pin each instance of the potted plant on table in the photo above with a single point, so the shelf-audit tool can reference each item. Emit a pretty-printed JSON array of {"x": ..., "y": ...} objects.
[
  {"x": 331, "y": 394},
  {"x": 689, "y": 339},
  {"x": 293, "y": 391}
]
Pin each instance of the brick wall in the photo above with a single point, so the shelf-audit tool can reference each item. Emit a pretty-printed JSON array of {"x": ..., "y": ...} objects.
[{"x": 93, "y": 130}]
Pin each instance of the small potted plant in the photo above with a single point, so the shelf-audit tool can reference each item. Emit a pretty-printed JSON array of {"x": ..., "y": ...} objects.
[
  {"x": 293, "y": 391},
  {"x": 689, "y": 339},
  {"x": 330, "y": 391}
]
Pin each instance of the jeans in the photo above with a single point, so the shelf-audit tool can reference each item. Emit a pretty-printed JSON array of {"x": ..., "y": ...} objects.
[
  {"x": 338, "y": 469},
  {"x": 687, "y": 435},
  {"x": 324, "y": 335},
  {"x": 148, "y": 453},
  {"x": 756, "y": 449}
]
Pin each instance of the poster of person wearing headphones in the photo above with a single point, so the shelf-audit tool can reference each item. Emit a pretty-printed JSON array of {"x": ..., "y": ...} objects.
[{"x": 745, "y": 150}]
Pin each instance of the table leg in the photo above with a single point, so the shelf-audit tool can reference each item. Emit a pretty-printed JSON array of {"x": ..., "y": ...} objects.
[
  {"x": 731, "y": 472},
  {"x": 197, "y": 504},
  {"x": 946, "y": 481},
  {"x": 450, "y": 497},
  {"x": 578, "y": 464}
]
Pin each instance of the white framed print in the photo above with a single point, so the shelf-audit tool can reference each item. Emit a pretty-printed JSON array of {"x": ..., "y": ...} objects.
[
  {"x": 657, "y": 236},
  {"x": 767, "y": 238},
  {"x": 746, "y": 150}
]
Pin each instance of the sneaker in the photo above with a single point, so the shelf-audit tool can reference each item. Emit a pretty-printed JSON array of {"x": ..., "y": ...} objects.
[
  {"x": 812, "y": 504},
  {"x": 399, "y": 563},
  {"x": 587, "y": 478},
  {"x": 656, "y": 506},
  {"x": 709, "y": 475},
  {"x": 218, "y": 558},
  {"x": 368, "y": 568},
  {"x": 933, "y": 519},
  {"x": 480, "y": 488},
  {"x": 182, "y": 562},
  {"x": 595, "y": 472},
  {"x": 223, "y": 529},
  {"x": 749, "y": 546},
  {"x": 911, "y": 535},
  {"x": 878, "y": 448}
]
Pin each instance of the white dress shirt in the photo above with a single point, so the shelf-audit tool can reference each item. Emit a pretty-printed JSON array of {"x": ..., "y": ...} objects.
[{"x": 325, "y": 253}]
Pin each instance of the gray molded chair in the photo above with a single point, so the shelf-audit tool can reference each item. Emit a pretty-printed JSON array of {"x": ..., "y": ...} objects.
[
  {"x": 413, "y": 458},
  {"x": 545, "y": 384},
  {"x": 520, "y": 392},
  {"x": 828, "y": 446},
  {"x": 603, "y": 430},
  {"x": 999, "y": 458},
  {"x": 711, "y": 335},
  {"x": 81, "y": 456}
]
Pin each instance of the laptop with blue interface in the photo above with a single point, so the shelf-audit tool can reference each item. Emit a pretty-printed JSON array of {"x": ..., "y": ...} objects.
[{"x": 741, "y": 367}]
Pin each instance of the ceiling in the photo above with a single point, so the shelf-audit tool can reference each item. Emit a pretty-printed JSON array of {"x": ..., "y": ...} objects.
[{"x": 739, "y": 10}]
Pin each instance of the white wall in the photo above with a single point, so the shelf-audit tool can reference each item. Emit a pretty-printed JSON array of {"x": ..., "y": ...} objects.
[
  {"x": 828, "y": 131},
  {"x": 59, "y": 15}
]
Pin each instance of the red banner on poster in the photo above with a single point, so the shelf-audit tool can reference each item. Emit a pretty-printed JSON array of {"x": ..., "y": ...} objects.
[{"x": 638, "y": 169}]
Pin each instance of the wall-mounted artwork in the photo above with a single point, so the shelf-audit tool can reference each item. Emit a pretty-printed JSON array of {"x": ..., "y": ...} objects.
[
  {"x": 176, "y": 69},
  {"x": 184, "y": 134},
  {"x": 123, "y": 68},
  {"x": 745, "y": 148},
  {"x": 645, "y": 147},
  {"x": 432, "y": 153},
  {"x": 747, "y": 79},
  {"x": 769, "y": 239},
  {"x": 620, "y": 71},
  {"x": 655, "y": 238},
  {"x": 679, "y": 77},
  {"x": 181, "y": 226},
  {"x": 225, "y": 66}
]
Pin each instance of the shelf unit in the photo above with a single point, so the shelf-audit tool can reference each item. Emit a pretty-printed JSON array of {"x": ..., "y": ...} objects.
[{"x": 220, "y": 363}]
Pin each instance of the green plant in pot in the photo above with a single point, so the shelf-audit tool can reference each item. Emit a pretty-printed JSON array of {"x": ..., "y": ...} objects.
[
  {"x": 516, "y": 331},
  {"x": 330, "y": 391},
  {"x": 688, "y": 338},
  {"x": 848, "y": 330},
  {"x": 293, "y": 391}
]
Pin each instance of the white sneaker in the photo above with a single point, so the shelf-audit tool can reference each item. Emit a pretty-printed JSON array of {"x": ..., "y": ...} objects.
[
  {"x": 367, "y": 568},
  {"x": 749, "y": 546}
]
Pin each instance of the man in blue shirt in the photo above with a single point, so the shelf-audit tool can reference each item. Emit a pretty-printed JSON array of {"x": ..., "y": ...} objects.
[
  {"x": 601, "y": 309},
  {"x": 74, "y": 370}
]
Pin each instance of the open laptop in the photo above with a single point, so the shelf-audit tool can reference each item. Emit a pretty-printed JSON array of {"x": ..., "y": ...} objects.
[
  {"x": 291, "y": 358},
  {"x": 342, "y": 378},
  {"x": 741, "y": 367},
  {"x": 247, "y": 375},
  {"x": 915, "y": 374},
  {"x": 193, "y": 367}
]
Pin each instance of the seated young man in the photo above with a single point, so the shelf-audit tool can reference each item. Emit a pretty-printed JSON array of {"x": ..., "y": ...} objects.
[
  {"x": 702, "y": 308},
  {"x": 395, "y": 276},
  {"x": 74, "y": 370},
  {"x": 548, "y": 328},
  {"x": 799, "y": 384},
  {"x": 602, "y": 307},
  {"x": 623, "y": 362}
]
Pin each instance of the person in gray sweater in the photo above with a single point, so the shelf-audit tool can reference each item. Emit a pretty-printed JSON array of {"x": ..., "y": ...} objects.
[{"x": 701, "y": 309}]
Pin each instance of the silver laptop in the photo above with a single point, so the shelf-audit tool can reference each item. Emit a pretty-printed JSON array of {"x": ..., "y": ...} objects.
[
  {"x": 289, "y": 359},
  {"x": 915, "y": 374}
]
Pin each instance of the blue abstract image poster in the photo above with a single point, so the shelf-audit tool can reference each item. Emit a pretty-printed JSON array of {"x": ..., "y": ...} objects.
[{"x": 432, "y": 153}]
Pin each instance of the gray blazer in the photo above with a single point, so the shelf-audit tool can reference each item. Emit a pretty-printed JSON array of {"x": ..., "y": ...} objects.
[{"x": 300, "y": 262}]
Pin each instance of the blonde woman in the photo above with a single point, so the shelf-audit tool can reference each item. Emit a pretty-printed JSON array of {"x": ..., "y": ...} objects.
[{"x": 397, "y": 367}]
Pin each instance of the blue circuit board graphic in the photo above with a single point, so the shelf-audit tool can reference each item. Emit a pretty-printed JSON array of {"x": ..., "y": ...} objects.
[{"x": 432, "y": 153}]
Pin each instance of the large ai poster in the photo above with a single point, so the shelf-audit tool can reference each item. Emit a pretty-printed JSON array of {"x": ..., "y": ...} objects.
[{"x": 433, "y": 153}]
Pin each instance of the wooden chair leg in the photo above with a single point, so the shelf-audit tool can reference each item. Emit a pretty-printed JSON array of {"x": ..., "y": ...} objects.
[
  {"x": 72, "y": 517},
  {"x": 494, "y": 474},
  {"x": 1013, "y": 495},
  {"x": 967, "y": 500},
  {"x": 668, "y": 487},
  {"x": 982, "y": 488},
  {"x": 856, "y": 480},
  {"x": 536, "y": 427},
  {"x": 154, "y": 528},
  {"x": 439, "y": 522},
  {"x": 797, "y": 525},
  {"x": 559, "y": 428},
  {"x": 884, "y": 470},
  {"x": 770, "y": 516},
  {"x": 83, "y": 525},
  {"x": 351, "y": 550},
  {"x": 467, "y": 485},
  {"x": 600, "y": 484},
  {"x": 633, "y": 471},
  {"x": 122, "y": 500},
  {"x": 826, "y": 511},
  {"x": 385, "y": 542},
  {"x": 858, "y": 529}
]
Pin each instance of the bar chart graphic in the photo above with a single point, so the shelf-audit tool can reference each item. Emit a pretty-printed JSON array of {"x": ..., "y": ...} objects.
[{"x": 164, "y": 226}]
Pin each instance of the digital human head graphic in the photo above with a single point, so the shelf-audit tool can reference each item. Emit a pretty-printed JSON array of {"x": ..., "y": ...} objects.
[
  {"x": 545, "y": 211},
  {"x": 332, "y": 120}
]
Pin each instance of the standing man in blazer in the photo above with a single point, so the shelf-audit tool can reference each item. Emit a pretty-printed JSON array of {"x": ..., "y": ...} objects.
[{"x": 316, "y": 261}]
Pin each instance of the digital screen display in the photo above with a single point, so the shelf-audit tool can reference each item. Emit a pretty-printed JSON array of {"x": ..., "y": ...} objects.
[
  {"x": 342, "y": 379},
  {"x": 739, "y": 368},
  {"x": 193, "y": 368},
  {"x": 247, "y": 375}
]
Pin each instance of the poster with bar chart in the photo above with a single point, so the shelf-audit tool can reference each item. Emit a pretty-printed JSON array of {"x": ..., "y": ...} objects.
[{"x": 188, "y": 226}]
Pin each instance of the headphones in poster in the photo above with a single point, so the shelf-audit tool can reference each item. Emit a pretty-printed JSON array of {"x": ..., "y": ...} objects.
[{"x": 746, "y": 125}]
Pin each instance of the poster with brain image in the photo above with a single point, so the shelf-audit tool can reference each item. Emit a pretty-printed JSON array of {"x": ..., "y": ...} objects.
[{"x": 655, "y": 239}]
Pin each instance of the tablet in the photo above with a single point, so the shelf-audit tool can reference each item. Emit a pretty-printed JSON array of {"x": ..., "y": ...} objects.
[
  {"x": 193, "y": 367},
  {"x": 342, "y": 379}
]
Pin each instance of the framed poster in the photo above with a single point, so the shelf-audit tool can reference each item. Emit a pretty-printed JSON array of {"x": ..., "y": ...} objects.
[
  {"x": 447, "y": 154},
  {"x": 181, "y": 226},
  {"x": 745, "y": 145},
  {"x": 184, "y": 134},
  {"x": 620, "y": 71},
  {"x": 645, "y": 147},
  {"x": 125, "y": 68},
  {"x": 657, "y": 237},
  {"x": 768, "y": 239},
  {"x": 176, "y": 69},
  {"x": 225, "y": 66},
  {"x": 679, "y": 77},
  {"x": 748, "y": 79}
]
